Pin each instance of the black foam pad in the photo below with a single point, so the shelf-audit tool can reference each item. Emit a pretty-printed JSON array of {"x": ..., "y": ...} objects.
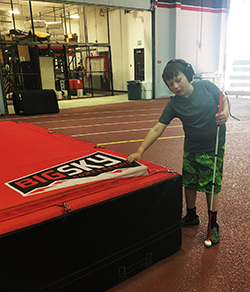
[{"x": 30, "y": 102}]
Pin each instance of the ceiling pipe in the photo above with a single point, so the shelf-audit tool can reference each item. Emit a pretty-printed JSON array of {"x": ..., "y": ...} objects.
[
  {"x": 32, "y": 23},
  {"x": 13, "y": 16}
]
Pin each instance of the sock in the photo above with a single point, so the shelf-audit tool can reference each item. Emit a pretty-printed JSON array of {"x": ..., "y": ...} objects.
[
  {"x": 213, "y": 219},
  {"x": 191, "y": 213}
]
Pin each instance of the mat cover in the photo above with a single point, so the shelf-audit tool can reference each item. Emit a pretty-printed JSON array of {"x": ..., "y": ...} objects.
[{"x": 71, "y": 212}]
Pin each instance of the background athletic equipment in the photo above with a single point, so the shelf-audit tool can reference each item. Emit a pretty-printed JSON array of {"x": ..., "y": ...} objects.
[{"x": 30, "y": 102}]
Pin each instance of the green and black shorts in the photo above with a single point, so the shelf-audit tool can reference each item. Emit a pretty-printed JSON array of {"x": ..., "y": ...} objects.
[{"x": 198, "y": 169}]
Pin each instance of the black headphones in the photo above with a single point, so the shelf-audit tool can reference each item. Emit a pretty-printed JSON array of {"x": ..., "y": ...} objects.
[{"x": 189, "y": 71}]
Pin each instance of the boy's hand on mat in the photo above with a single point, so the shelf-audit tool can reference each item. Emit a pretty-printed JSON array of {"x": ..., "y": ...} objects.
[{"x": 134, "y": 157}]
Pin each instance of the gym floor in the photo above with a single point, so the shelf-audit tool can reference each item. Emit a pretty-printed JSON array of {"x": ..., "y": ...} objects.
[{"x": 120, "y": 124}]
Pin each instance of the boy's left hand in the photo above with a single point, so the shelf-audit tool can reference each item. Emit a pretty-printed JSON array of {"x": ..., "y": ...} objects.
[{"x": 221, "y": 118}]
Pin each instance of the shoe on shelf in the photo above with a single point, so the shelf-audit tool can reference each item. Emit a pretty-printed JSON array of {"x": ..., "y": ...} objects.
[
  {"x": 215, "y": 234},
  {"x": 185, "y": 221}
]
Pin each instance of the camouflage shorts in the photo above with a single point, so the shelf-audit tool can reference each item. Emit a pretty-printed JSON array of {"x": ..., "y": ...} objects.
[{"x": 198, "y": 168}]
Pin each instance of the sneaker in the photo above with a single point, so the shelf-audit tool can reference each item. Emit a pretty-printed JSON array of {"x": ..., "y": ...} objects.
[
  {"x": 185, "y": 221},
  {"x": 215, "y": 234}
]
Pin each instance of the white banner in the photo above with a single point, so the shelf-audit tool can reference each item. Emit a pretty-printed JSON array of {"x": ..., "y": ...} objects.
[{"x": 97, "y": 166}]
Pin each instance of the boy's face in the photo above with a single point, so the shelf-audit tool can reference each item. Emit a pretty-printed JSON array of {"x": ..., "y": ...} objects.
[{"x": 179, "y": 85}]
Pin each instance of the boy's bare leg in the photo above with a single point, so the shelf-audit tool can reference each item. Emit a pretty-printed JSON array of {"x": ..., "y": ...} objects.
[
  {"x": 190, "y": 195},
  {"x": 191, "y": 218}
]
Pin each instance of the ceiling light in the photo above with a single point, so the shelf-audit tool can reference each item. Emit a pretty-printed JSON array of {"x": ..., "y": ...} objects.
[
  {"x": 14, "y": 11},
  {"x": 74, "y": 16},
  {"x": 50, "y": 22}
]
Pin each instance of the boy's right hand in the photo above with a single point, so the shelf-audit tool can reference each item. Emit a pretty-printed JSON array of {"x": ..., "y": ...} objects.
[
  {"x": 151, "y": 137},
  {"x": 134, "y": 157}
]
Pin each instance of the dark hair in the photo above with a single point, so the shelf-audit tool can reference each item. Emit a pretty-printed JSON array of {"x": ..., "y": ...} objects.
[{"x": 173, "y": 68}]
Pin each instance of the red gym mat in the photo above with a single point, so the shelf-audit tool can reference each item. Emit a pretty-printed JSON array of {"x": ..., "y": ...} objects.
[
  {"x": 41, "y": 170},
  {"x": 76, "y": 217}
]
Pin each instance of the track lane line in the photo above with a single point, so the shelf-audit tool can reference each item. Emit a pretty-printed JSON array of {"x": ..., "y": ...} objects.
[
  {"x": 81, "y": 113},
  {"x": 97, "y": 118},
  {"x": 110, "y": 132},
  {"x": 119, "y": 131},
  {"x": 139, "y": 140},
  {"x": 99, "y": 125},
  {"x": 160, "y": 138},
  {"x": 136, "y": 130},
  {"x": 109, "y": 124}
]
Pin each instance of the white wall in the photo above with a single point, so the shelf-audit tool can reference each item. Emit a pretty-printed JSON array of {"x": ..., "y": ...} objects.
[
  {"x": 125, "y": 32},
  {"x": 119, "y": 53},
  {"x": 195, "y": 36},
  {"x": 165, "y": 46}
]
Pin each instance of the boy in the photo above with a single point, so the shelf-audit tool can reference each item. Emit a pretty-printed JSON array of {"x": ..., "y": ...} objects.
[{"x": 196, "y": 105}]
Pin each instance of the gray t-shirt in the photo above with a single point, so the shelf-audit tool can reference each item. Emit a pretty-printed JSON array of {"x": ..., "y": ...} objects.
[{"x": 197, "y": 113}]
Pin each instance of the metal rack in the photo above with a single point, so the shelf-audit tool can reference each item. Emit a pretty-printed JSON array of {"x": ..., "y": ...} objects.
[{"x": 68, "y": 59}]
